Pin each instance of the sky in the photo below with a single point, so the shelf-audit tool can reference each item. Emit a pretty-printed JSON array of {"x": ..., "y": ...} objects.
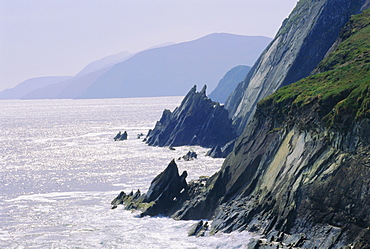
[{"x": 60, "y": 37}]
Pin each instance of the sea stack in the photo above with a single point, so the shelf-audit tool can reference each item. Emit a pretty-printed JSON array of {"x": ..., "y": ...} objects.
[{"x": 197, "y": 121}]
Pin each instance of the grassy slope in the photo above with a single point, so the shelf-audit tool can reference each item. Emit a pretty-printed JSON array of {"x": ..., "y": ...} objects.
[{"x": 342, "y": 90}]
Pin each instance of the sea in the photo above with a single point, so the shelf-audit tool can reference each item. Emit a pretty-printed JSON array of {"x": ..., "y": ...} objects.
[{"x": 60, "y": 168}]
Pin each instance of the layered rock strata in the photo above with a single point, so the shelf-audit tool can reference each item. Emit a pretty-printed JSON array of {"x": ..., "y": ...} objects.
[
  {"x": 300, "y": 171},
  {"x": 228, "y": 83},
  {"x": 166, "y": 195},
  {"x": 299, "y": 174},
  {"x": 301, "y": 43}
]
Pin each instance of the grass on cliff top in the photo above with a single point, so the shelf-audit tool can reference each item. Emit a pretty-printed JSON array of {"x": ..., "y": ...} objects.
[{"x": 343, "y": 89}]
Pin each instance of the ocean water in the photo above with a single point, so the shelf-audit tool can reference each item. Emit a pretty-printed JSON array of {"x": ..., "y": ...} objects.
[{"x": 60, "y": 168}]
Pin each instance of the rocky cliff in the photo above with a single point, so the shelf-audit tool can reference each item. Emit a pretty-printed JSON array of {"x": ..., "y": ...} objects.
[
  {"x": 228, "y": 83},
  {"x": 197, "y": 121},
  {"x": 300, "y": 172},
  {"x": 301, "y": 43}
]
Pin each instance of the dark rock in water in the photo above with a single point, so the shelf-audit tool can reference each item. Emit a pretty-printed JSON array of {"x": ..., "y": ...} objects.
[
  {"x": 218, "y": 152},
  {"x": 254, "y": 244},
  {"x": 118, "y": 200},
  {"x": 120, "y": 136},
  {"x": 161, "y": 181},
  {"x": 131, "y": 201},
  {"x": 166, "y": 194},
  {"x": 139, "y": 135},
  {"x": 198, "y": 229},
  {"x": 197, "y": 121},
  {"x": 215, "y": 152},
  {"x": 166, "y": 190},
  {"x": 189, "y": 156}
]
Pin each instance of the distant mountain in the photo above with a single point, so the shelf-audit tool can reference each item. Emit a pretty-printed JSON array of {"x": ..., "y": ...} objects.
[
  {"x": 59, "y": 86},
  {"x": 105, "y": 62},
  {"x": 172, "y": 70},
  {"x": 66, "y": 89},
  {"x": 30, "y": 85},
  {"x": 228, "y": 83},
  {"x": 165, "y": 70}
]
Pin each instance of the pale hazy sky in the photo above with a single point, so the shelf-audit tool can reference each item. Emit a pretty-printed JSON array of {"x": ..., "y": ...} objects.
[{"x": 60, "y": 37}]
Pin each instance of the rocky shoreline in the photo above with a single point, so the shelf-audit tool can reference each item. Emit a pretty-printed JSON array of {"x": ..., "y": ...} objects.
[{"x": 299, "y": 173}]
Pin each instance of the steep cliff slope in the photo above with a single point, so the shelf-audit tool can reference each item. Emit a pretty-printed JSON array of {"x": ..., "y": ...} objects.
[
  {"x": 301, "y": 43},
  {"x": 300, "y": 172},
  {"x": 228, "y": 83},
  {"x": 197, "y": 121}
]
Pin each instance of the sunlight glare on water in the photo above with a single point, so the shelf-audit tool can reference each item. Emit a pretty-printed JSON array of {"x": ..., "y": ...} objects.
[{"x": 60, "y": 168}]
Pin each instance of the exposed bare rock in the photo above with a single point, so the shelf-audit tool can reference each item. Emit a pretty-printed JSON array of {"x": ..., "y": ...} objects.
[{"x": 197, "y": 121}]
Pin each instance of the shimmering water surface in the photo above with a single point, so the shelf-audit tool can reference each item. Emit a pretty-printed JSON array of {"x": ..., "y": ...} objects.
[{"x": 60, "y": 168}]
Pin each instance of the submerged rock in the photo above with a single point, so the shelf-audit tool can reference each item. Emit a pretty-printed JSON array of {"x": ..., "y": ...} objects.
[{"x": 197, "y": 121}]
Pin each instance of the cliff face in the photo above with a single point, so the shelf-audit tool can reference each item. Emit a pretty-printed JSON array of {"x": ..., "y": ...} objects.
[
  {"x": 197, "y": 121},
  {"x": 300, "y": 171},
  {"x": 301, "y": 43},
  {"x": 228, "y": 83}
]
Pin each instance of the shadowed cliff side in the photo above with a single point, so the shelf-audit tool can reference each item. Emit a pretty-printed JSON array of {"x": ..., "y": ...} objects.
[
  {"x": 228, "y": 83},
  {"x": 197, "y": 121},
  {"x": 301, "y": 43},
  {"x": 300, "y": 172}
]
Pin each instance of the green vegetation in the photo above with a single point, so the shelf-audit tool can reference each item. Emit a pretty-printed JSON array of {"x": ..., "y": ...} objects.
[{"x": 341, "y": 91}]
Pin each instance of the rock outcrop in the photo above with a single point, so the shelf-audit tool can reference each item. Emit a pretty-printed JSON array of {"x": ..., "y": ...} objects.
[
  {"x": 228, "y": 83},
  {"x": 198, "y": 229},
  {"x": 301, "y": 43},
  {"x": 299, "y": 173},
  {"x": 166, "y": 194},
  {"x": 120, "y": 136},
  {"x": 221, "y": 152},
  {"x": 197, "y": 121},
  {"x": 191, "y": 155}
]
